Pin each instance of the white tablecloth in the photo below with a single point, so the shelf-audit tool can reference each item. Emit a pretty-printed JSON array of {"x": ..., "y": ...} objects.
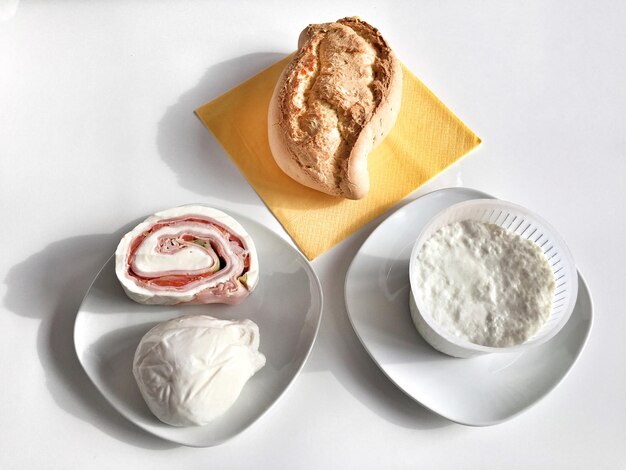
[{"x": 97, "y": 130}]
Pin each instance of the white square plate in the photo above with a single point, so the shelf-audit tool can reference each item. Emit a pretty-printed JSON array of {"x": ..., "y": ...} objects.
[
  {"x": 479, "y": 391},
  {"x": 286, "y": 305}
]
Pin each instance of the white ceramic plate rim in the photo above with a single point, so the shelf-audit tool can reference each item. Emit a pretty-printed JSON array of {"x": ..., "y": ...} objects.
[
  {"x": 317, "y": 294},
  {"x": 582, "y": 287}
]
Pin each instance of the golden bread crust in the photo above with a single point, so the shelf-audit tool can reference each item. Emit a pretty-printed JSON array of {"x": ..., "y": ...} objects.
[{"x": 335, "y": 101}]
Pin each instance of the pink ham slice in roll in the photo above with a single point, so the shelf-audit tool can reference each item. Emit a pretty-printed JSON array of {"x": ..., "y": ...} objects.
[{"x": 188, "y": 254}]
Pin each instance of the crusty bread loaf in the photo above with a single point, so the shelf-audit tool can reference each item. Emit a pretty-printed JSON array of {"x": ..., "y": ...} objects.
[{"x": 335, "y": 101}]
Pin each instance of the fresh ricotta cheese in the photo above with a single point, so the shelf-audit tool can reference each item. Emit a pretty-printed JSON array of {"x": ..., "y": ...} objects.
[{"x": 485, "y": 284}]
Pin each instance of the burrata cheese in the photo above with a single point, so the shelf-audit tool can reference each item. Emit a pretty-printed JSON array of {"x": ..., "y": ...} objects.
[{"x": 191, "y": 369}]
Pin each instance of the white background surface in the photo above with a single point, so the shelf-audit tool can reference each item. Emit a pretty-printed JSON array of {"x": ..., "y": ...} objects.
[{"x": 97, "y": 130}]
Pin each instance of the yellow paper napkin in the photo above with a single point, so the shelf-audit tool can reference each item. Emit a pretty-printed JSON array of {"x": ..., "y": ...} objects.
[{"x": 425, "y": 140}]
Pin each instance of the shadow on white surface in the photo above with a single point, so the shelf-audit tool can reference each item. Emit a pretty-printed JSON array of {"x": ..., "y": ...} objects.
[
  {"x": 190, "y": 149},
  {"x": 50, "y": 286},
  {"x": 339, "y": 350}
]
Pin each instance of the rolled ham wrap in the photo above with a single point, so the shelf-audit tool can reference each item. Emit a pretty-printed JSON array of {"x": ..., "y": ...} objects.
[{"x": 188, "y": 254}]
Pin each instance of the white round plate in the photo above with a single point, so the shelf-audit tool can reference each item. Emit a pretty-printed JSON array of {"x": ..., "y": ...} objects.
[
  {"x": 479, "y": 391},
  {"x": 287, "y": 306}
]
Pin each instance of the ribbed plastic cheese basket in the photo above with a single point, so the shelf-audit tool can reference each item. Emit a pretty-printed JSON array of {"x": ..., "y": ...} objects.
[{"x": 524, "y": 223}]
